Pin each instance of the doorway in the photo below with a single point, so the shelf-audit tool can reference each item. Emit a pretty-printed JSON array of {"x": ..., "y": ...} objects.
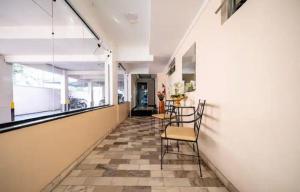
[{"x": 142, "y": 95}]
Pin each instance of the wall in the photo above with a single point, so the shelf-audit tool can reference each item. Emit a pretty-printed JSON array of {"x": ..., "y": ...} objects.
[
  {"x": 35, "y": 99},
  {"x": 248, "y": 71},
  {"x": 6, "y": 92},
  {"x": 138, "y": 68},
  {"x": 32, "y": 157},
  {"x": 123, "y": 111}
]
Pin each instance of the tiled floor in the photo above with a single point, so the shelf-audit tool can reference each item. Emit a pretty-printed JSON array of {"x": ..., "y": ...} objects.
[{"x": 128, "y": 160}]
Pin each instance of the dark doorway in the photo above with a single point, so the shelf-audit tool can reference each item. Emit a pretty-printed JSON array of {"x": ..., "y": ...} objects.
[{"x": 142, "y": 94}]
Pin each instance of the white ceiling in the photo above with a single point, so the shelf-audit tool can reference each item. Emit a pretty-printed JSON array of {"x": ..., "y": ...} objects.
[
  {"x": 170, "y": 20},
  {"x": 26, "y": 12},
  {"x": 113, "y": 15},
  {"x": 144, "y": 32},
  {"x": 25, "y": 36},
  {"x": 160, "y": 26},
  {"x": 81, "y": 66},
  {"x": 44, "y": 46},
  {"x": 25, "y": 28}
]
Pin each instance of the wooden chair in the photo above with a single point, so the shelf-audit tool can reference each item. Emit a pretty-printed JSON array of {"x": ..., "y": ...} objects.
[
  {"x": 168, "y": 115},
  {"x": 181, "y": 133}
]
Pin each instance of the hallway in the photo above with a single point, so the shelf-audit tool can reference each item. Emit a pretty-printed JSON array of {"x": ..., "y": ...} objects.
[{"x": 128, "y": 160}]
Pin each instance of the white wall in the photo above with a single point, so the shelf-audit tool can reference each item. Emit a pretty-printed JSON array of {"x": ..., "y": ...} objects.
[
  {"x": 35, "y": 99},
  {"x": 161, "y": 78},
  {"x": 138, "y": 68},
  {"x": 249, "y": 71},
  {"x": 6, "y": 92}
]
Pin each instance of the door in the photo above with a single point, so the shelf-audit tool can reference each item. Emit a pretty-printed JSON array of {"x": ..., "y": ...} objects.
[{"x": 142, "y": 94}]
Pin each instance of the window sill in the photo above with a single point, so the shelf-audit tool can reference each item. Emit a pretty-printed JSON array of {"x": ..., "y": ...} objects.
[{"x": 6, "y": 127}]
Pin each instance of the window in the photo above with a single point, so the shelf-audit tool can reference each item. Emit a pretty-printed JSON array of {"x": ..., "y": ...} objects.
[
  {"x": 228, "y": 8},
  {"x": 122, "y": 84},
  {"x": 189, "y": 69},
  {"x": 36, "y": 91},
  {"x": 52, "y": 62}
]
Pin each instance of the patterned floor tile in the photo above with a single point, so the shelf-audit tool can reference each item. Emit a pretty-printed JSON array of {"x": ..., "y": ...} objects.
[
  {"x": 108, "y": 189},
  {"x": 137, "y": 189},
  {"x": 128, "y": 160}
]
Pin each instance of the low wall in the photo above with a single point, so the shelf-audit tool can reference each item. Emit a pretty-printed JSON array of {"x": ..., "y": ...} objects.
[
  {"x": 33, "y": 156},
  {"x": 123, "y": 111}
]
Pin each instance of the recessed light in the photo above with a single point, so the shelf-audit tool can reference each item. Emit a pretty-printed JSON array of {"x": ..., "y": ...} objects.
[{"x": 116, "y": 20}]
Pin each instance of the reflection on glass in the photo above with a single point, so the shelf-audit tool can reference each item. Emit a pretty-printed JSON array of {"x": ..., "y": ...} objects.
[
  {"x": 55, "y": 65},
  {"x": 36, "y": 90},
  {"x": 122, "y": 90},
  {"x": 189, "y": 69},
  {"x": 86, "y": 88}
]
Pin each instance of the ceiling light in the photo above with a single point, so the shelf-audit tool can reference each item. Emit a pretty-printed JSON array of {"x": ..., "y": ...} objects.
[{"x": 116, "y": 20}]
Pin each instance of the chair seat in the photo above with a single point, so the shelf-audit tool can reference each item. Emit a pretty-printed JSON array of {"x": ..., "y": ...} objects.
[
  {"x": 163, "y": 116},
  {"x": 180, "y": 133}
]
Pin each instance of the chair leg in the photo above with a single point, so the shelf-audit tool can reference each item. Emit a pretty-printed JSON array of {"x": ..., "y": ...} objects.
[
  {"x": 167, "y": 145},
  {"x": 199, "y": 160},
  {"x": 161, "y": 152},
  {"x": 152, "y": 122},
  {"x": 178, "y": 145}
]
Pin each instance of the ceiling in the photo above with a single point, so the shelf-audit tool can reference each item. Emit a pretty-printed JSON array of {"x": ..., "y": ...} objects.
[
  {"x": 26, "y": 29},
  {"x": 170, "y": 20},
  {"x": 126, "y": 20},
  {"x": 144, "y": 33},
  {"x": 70, "y": 46},
  {"x": 158, "y": 27},
  {"x": 25, "y": 36},
  {"x": 35, "y": 13}
]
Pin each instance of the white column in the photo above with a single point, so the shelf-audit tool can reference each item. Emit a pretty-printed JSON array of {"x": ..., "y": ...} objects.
[
  {"x": 6, "y": 90},
  {"x": 91, "y": 93},
  {"x": 64, "y": 91},
  {"x": 126, "y": 87},
  {"x": 114, "y": 80},
  {"x": 107, "y": 83}
]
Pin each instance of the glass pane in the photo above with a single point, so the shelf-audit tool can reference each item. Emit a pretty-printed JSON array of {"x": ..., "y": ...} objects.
[
  {"x": 51, "y": 61},
  {"x": 189, "y": 69},
  {"x": 121, "y": 85}
]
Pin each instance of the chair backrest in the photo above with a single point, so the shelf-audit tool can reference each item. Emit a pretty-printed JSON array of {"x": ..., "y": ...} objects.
[
  {"x": 198, "y": 116},
  {"x": 169, "y": 105}
]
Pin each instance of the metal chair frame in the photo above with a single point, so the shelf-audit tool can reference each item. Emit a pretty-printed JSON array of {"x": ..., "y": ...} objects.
[
  {"x": 198, "y": 113},
  {"x": 168, "y": 113}
]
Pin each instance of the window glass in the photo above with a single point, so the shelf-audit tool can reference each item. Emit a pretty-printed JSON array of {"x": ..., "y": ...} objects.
[
  {"x": 228, "y": 8},
  {"x": 122, "y": 85},
  {"x": 36, "y": 92},
  {"x": 50, "y": 61}
]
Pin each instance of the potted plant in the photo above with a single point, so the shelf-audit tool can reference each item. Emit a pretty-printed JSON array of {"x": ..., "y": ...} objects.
[
  {"x": 161, "y": 96},
  {"x": 178, "y": 93}
]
